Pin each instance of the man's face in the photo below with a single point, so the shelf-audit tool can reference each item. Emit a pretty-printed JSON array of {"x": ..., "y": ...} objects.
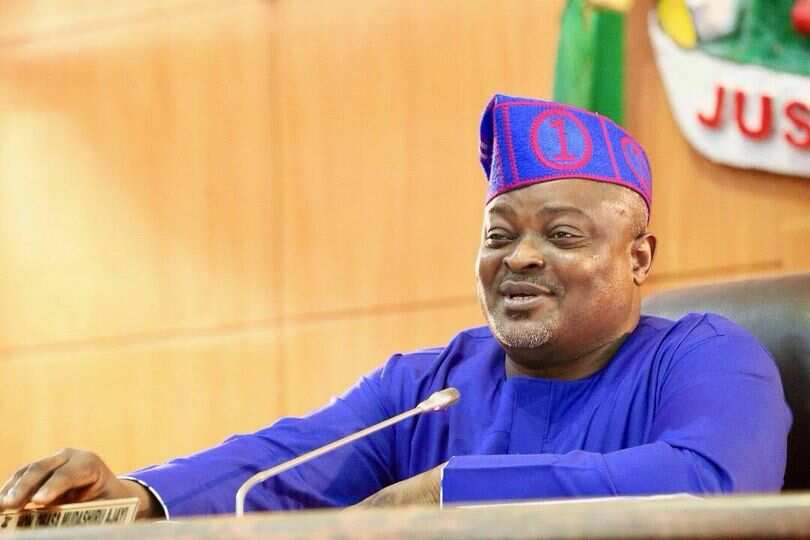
[{"x": 556, "y": 267}]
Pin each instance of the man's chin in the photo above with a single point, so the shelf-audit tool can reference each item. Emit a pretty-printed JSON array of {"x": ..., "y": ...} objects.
[{"x": 524, "y": 334}]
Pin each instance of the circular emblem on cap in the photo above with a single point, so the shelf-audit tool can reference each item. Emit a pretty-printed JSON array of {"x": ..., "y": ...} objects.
[
  {"x": 634, "y": 156},
  {"x": 560, "y": 140}
]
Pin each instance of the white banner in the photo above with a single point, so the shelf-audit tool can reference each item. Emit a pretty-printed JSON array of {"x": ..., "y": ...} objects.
[{"x": 742, "y": 115}]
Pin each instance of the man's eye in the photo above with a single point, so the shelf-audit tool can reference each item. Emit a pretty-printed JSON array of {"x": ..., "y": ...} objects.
[
  {"x": 563, "y": 235},
  {"x": 497, "y": 237}
]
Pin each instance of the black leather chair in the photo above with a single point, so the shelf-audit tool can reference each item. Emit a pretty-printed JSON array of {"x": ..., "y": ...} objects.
[{"x": 777, "y": 311}]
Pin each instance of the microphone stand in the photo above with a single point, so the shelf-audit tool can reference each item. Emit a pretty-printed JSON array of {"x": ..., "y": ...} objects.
[{"x": 436, "y": 402}]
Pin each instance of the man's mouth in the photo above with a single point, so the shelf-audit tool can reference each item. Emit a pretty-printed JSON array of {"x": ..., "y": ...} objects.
[{"x": 523, "y": 295}]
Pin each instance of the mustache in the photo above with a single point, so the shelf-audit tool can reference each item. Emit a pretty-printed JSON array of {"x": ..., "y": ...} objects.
[{"x": 555, "y": 288}]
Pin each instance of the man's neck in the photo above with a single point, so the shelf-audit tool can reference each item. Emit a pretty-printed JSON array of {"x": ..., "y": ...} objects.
[{"x": 564, "y": 369}]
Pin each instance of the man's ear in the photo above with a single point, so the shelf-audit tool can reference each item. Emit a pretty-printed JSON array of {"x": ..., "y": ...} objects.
[{"x": 642, "y": 253}]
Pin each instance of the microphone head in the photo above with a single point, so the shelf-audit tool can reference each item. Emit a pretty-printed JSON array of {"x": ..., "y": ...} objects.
[{"x": 438, "y": 401}]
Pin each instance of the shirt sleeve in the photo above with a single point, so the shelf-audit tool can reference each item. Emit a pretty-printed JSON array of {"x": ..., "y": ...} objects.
[
  {"x": 206, "y": 482},
  {"x": 720, "y": 425}
]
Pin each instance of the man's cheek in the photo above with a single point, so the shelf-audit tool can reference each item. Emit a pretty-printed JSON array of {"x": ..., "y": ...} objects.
[
  {"x": 486, "y": 268},
  {"x": 579, "y": 271}
]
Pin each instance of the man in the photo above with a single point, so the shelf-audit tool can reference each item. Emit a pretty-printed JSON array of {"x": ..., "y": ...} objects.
[{"x": 567, "y": 392}]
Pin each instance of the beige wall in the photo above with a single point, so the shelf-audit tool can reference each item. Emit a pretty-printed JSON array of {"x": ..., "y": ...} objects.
[{"x": 214, "y": 213}]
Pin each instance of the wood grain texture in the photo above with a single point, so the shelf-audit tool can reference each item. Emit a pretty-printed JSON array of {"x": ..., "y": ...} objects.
[
  {"x": 134, "y": 180},
  {"x": 37, "y": 21},
  {"x": 324, "y": 358},
  {"x": 140, "y": 403},
  {"x": 378, "y": 141}
]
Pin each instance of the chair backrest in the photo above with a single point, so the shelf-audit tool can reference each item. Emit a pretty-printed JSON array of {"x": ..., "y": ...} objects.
[{"x": 777, "y": 311}]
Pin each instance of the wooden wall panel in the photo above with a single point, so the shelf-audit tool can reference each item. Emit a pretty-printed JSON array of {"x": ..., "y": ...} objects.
[
  {"x": 795, "y": 239},
  {"x": 38, "y": 20},
  {"x": 134, "y": 167},
  {"x": 325, "y": 357},
  {"x": 377, "y": 144},
  {"x": 140, "y": 403}
]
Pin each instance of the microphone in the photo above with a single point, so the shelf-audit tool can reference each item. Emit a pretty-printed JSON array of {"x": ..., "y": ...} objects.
[{"x": 438, "y": 401}]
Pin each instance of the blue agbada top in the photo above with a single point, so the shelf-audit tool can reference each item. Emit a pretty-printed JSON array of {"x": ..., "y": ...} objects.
[{"x": 690, "y": 406}]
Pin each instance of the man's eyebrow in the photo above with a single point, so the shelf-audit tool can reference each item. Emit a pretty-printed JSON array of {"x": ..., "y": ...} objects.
[
  {"x": 560, "y": 209},
  {"x": 500, "y": 208}
]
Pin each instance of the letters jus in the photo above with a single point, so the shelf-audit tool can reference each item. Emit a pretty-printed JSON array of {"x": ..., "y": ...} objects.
[{"x": 795, "y": 112}]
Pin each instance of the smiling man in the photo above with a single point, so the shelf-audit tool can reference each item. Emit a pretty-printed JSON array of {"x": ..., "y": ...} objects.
[
  {"x": 568, "y": 392},
  {"x": 558, "y": 274}
]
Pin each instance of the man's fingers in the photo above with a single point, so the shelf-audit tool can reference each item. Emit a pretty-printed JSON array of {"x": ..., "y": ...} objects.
[
  {"x": 69, "y": 477},
  {"x": 10, "y": 482},
  {"x": 81, "y": 494},
  {"x": 19, "y": 492}
]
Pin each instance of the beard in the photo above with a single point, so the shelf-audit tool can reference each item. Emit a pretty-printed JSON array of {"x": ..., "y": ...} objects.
[
  {"x": 519, "y": 334},
  {"x": 515, "y": 333}
]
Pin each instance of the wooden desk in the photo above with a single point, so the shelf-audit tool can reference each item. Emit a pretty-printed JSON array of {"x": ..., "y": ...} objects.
[{"x": 772, "y": 516}]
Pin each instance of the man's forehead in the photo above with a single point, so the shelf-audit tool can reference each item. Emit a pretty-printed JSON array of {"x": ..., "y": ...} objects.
[
  {"x": 576, "y": 196},
  {"x": 507, "y": 209}
]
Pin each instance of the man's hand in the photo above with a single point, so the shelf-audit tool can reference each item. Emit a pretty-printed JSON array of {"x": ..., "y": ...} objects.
[
  {"x": 71, "y": 476},
  {"x": 420, "y": 489}
]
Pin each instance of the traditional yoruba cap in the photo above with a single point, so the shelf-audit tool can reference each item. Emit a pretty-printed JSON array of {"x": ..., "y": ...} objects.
[{"x": 527, "y": 141}]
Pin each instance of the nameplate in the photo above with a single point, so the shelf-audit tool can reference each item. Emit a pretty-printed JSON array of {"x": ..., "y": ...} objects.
[{"x": 109, "y": 512}]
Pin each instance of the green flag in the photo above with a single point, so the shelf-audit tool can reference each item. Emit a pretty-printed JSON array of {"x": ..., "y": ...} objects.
[{"x": 590, "y": 60}]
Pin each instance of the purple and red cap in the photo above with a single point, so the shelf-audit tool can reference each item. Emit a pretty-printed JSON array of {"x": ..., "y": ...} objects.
[{"x": 526, "y": 141}]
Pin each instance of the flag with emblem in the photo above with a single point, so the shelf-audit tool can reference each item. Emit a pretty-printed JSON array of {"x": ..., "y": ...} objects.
[{"x": 590, "y": 56}]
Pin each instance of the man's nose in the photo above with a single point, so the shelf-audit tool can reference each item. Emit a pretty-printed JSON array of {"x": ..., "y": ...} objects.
[{"x": 527, "y": 255}]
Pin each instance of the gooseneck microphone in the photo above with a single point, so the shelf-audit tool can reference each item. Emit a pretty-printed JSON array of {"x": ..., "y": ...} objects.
[{"x": 437, "y": 401}]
